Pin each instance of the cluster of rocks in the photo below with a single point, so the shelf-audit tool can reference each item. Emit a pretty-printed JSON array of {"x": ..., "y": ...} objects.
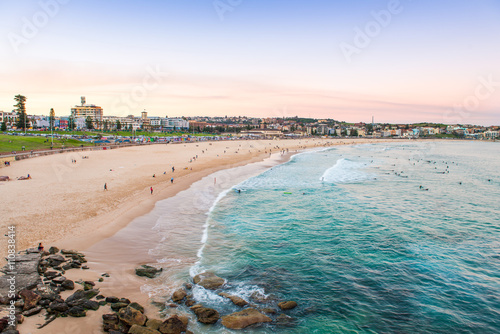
[
  {"x": 130, "y": 318},
  {"x": 39, "y": 281},
  {"x": 251, "y": 313}
]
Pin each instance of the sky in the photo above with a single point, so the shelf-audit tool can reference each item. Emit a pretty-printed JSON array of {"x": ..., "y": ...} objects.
[{"x": 400, "y": 61}]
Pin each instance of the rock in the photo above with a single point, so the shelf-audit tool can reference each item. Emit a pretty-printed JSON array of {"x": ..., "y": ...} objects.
[
  {"x": 59, "y": 279},
  {"x": 52, "y": 274},
  {"x": 55, "y": 260},
  {"x": 124, "y": 300},
  {"x": 105, "y": 275},
  {"x": 58, "y": 307},
  {"x": 131, "y": 316},
  {"x": 70, "y": 252},
  {"x": 27, "y": 276},
  {"x": 287, "y": 305},
  {"x": 137, "y": 306},
  {"x": 68, "y": 284},
  {"x": 110, "y": 322},
  {"x": 30, "y": 299},
  {"x": 179, "y": 295},
  {"x": 67, "y": 266},
  {"x": 238, "y": 301},
  {"x": 260, "y": 297},
  {"x": 90, "y": 305},
  {"x": 112, "y": 299},
  {"x": 85, "y": 267},
  {"x": 206, "y": 315},
  {"x": 80, "y": 296},
  {"x": 209, "y": 280},
  {"x": 269, "y": 310},
  {"x": 153, "y": 323},
  {"x": 11, "y": 331},
  {"x": 77, "y": 312},
  {"x": 189, "y": 286},
  {"x": 244, "y": 319},
  {"x": 173, "y": 325},
  {"x": 190, "y": 302},
  {"x": 158, "y": 301},
  {"x": 53, "y": 250},
  {"x": 118, "y": 306},
  {"x": 147, "y": 271},
  {"x": 285, "y": 320},
  {"x": 32, "y": 311},
  {"x": 135, "y": 329},
  {"x": 99, "y": 297}
]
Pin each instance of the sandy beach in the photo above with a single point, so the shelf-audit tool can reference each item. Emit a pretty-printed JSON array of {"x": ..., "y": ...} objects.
[{"x": 65, "y": 204}]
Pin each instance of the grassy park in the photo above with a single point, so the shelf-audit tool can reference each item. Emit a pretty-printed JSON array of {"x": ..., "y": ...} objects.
[{"x": 16, "y": 143}]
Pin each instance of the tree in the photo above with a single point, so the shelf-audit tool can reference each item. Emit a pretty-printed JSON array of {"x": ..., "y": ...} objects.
[
  {"x": 71, "y": 123},
  {"x": 4, "y": 126},
  {"x": 105, "y": 125},
  {"x": 118, "y": 125},
  {"x": 52, "y": 118},
  {"x": 22, "y": 119},
  {"x": 354, "y": 133},
  {"x": 89, "y": 123}
]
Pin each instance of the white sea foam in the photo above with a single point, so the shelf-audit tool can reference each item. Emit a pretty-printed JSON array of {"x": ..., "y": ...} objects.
[{"x": 346, "y": 171}]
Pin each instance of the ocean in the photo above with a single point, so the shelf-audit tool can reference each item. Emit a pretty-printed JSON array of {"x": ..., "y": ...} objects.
[{"x": 399, "y": 237}]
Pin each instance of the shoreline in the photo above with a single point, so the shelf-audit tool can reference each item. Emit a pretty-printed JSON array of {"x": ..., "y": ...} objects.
[{"x": 123, "y": 281}]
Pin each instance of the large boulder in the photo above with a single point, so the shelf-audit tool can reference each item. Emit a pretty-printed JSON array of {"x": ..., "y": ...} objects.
[
  {"x": 238, "y": 301},
  {"x": 287, "y": 305},
  {"x": 147, "y": 271},
  {"x": 209, "y": 280},
  {"x": 244, "y": 319},
  {"x": 131, "y": 316},
  {"x": 206, "y": 315},
  {"x": 173, "y": 325},
  {"x": 136, "y": 329}
]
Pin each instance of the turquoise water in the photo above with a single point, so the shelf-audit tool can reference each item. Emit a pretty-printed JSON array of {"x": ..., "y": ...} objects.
[{"x": 360, "y": 243}]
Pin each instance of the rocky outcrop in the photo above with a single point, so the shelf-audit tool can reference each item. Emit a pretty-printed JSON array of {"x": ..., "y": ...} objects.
[
  {"x": 26, "y": 268},
  {"x": 147, "y": 271},
  {"x": 209, "y": 280},
  {"x": 238, "y": 301},
  {"x": 245, "y": 318}
]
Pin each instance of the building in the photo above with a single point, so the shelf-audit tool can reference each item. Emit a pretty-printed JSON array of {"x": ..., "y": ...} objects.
[
  {"x": 170, "y": 124},
  {"x": 88, "y": 110}
]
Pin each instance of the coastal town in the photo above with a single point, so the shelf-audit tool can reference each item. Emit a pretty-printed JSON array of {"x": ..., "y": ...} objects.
[{"x": 90, "y": 117}]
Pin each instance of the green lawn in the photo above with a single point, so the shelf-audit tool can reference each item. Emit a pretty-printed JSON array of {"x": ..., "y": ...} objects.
[
  {"x": 15, "y": 143},
  {"x": 123, "y": 133}
]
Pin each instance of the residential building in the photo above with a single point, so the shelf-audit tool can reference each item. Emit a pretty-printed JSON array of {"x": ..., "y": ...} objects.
[{"x": 88, "y": 110}]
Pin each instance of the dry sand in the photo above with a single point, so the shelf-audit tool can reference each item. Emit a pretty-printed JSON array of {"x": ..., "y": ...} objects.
[{"x": 65, "y": 204}]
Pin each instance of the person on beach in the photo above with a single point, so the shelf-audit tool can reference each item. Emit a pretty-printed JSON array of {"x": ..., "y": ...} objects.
[
  {"x": 105, "y": 186},
  {"x": 40, "y": 247},
  {"x": 173, "y": 169},
  {"x": 172, "y": 180},
  {"x": 151, "y": 190}
]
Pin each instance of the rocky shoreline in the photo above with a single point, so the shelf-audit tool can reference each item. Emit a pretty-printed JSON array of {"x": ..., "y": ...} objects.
[{"x": 39, "y": 280}]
